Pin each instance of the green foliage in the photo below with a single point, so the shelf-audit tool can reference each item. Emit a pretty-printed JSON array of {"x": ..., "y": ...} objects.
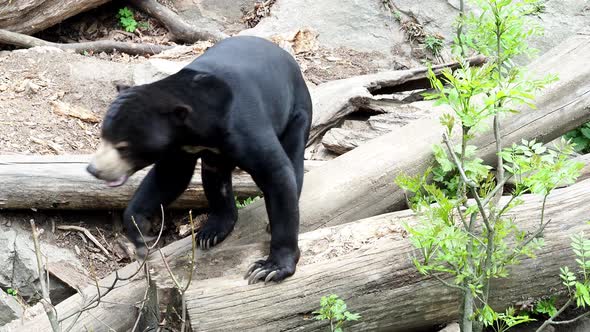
[
  {"x": 434, "y": 44},
  {"x": 580, "y": 137},
  {"x": 127, "y": 20},
  {"x": 578, "y": 285},
  {"x": 246, "y": 202},
  {"x": 503, "y": 321},
  {"x": 475, "y": 242},
  {"x": 333, "y": 309},
  {"x": 546, "y": 307},
  {"x": 12, "y": 292}
]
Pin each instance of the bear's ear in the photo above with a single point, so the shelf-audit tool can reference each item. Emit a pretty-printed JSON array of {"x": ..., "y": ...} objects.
[
  {"x": 121, "y": 87},
  {"x": 181, "y": 112},
  {"x": 211, "y": 91}
]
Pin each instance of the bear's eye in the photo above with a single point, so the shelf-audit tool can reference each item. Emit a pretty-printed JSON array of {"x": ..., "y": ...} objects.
[{"x": 122, "y": 147}]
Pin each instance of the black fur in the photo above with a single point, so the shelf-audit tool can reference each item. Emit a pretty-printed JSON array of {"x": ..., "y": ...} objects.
[{"x": 244, "y": 98}]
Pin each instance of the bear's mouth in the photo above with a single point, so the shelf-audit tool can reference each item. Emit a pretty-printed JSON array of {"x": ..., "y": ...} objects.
[{"x": 119, "y": 182}]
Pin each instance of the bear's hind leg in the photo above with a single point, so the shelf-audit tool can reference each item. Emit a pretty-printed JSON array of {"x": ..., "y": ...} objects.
[{"x": 217, "y": 183}]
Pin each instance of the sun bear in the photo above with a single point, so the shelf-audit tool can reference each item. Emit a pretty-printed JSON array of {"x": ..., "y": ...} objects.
[{"x": 243, "y": 103}]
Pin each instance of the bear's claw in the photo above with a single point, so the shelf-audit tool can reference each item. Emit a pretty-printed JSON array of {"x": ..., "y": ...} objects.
[{"x": 267, "y": 271}]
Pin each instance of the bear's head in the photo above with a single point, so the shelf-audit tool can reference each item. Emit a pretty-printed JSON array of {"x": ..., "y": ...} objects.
[{"x": 146, "y": 121}]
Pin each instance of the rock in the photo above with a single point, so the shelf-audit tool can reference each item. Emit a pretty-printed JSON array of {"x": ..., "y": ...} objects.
[
  {"x": 223, "y": 15},
  {"x": 19, "y": 264},
  {"x": 9, "y": 308},
  {"x": 452, "y": 327},
  {"x": 155, "y": 69},
  {"x": 560, "y": 19},
  {"x": 359, "y": 25}
]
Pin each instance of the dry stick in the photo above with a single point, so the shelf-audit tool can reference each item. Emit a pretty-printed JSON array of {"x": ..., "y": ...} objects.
[
  {"x": 180, "y": 289},
  {"x": 49, "y": 309},
  {"x": 178, "y": 27},
  {"x": 22, "y": 40},
  {"x": 88, "y": 235}
]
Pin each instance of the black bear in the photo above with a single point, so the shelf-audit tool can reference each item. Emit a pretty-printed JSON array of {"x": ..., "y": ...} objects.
[{"x": 243, "y": 103}]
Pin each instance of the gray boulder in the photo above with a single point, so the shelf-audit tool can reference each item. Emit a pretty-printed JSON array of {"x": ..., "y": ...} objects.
[
  {"x": 19, "y": 263},
  {"x": 9, "y": 308}
]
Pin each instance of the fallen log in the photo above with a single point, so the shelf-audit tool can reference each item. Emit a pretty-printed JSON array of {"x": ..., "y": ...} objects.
[
  {"x": 359, "y": 184},
  {"x": 22, "y": 40},
  {"x": 334, "y": 100},
  {"x": 62, "y": 182},
  {"x": 341, "y": 140},
  {"x": 355, "y": 260},
  {"x": 176, "y": 25},
  {"x": 367, "y": 263},
  {"x": 30, "y": 16}
]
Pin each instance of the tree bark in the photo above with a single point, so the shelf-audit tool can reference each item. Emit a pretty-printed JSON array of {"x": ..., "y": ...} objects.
[
  {"x": 62, "y": 182},
  {"x": 367, "y": 263},
  {"x": 30, "y": 16}
]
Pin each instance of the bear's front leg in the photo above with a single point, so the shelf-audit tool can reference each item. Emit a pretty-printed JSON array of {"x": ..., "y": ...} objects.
[
  {"x": 167, "y": 180},
  {"x": 282, "y": 204}
]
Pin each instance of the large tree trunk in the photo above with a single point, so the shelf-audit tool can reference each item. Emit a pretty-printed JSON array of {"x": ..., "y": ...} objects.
[
  {"x": 30, "y": 16},
  {"x": 366, "y": 262}
]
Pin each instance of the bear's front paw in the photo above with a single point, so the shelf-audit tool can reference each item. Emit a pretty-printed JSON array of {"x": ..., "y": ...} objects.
[
  {"x": 214, "y": 231},
  {"x": 275, "y": 268}
]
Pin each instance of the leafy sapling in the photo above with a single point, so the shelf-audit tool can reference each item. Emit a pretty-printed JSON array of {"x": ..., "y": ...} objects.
[
  {"x": 333, "y": 309},
  {"x": 463, "y": 230},
  {"x": 576, "y": 283}
]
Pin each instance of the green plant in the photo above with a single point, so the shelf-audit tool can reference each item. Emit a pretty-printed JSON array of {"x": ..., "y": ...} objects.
[
  {"x": 580, "y": 137},
  {"x": 246, "y": 201},
  {"x": 333, "y": 308},
  {"x": 127, "y": 20},
  {"x": 577, "y": 284},
  {"x": 12, "y": 292},
  {"x": 545, "y": 307},
  {"x": 464, "y": 231},
  {"x": 145, "y": 25},
  {"x": 434, "y": 44}
]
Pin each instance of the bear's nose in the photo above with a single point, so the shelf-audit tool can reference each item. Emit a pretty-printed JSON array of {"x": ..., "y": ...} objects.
[{"x": 92, "y": 170}]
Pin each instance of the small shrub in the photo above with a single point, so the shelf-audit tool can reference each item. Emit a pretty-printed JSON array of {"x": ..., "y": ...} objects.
[
  {"x": 581, "y": 138},
  {"x": 333, "y": 308},
  {"x": 246, "y": 202},
  {"x": 434, "y": 44},
  {"x": 127, "y": 20}
]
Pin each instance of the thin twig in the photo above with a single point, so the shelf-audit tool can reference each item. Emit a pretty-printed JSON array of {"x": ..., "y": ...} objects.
[
  {"x": 563, "y": 322},
  {"x": 88, "y": 235},
  {"x": 49, "y": 308}
]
